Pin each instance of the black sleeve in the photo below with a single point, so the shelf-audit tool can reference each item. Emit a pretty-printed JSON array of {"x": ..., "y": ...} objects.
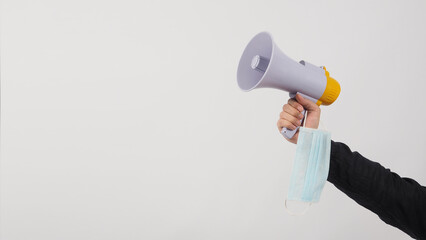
[{"x": 400, "y": 202}]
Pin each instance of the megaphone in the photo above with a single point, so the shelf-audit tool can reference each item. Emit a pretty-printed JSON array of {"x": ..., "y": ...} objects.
[{"x": 264, "y": 65}]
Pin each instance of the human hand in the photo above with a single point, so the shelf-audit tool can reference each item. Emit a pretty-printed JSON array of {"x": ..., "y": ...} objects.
[{"x": 292, "y": 114}]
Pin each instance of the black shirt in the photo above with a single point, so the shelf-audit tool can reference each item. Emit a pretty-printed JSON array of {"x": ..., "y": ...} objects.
[{"x": 400, "y": 202}]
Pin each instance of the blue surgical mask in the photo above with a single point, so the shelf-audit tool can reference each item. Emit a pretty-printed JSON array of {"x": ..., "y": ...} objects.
[{"x": 311, "y": 165}]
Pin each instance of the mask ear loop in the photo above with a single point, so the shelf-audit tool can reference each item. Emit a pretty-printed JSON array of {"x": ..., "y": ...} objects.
[
  {"x": 306, "y": 117},
  {"x": 322, "y": 125},
  {"x": 295, "y": 213}
]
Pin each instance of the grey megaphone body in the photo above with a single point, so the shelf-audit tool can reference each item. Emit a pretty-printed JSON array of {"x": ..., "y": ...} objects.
[{"x": 264, "y": 65}]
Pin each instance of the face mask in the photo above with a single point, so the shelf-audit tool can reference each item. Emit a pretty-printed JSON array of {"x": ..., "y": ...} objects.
[{"x": 310, "y": 167}]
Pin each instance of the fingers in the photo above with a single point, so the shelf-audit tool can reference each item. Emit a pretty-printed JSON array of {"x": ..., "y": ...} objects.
[
  {"x": 284, "y": 123},
  {"x": 288, "y": 121},
  {"x": 295, "y": 104},
  {"x": 295, "y": 120},
  {"x": 307, "y": 104},
  {"x": 292, "y": 111},
  {"x": 314, "y": 112},
  {"x": 291, "y": 115}
]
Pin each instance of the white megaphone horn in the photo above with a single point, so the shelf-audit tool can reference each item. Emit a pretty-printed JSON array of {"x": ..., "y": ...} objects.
[{"x": 264, "y": 65}]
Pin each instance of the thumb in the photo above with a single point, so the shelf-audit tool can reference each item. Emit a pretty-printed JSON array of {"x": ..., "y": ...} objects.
[{"x": 307, "y": 104}]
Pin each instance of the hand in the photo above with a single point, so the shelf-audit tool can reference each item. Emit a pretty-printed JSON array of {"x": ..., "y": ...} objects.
[{"x": 292, "y": 114}]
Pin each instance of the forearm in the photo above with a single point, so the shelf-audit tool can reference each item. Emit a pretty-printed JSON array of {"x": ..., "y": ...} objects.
[{"x": 400, "y": 202}]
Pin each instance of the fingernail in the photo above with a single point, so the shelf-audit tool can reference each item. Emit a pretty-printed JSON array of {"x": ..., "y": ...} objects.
[
  {"x": 300, "y": 108},
  {"x": 300, "y": 116}
]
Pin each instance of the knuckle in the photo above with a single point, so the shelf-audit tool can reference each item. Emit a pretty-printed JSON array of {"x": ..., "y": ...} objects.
[
  {"x": 291, "y": 126},
  {"x": 295, "y": 112},
  {"x": 288, "y": 107},
  {"x": 295, "y": 122},
  {"x": 287, "y": 117}
]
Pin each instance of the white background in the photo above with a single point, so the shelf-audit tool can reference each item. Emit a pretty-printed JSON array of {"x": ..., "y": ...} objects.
[{"x": 123, "y": 119}]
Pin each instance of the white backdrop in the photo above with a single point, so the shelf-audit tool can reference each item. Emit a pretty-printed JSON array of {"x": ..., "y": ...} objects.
[{"x": 123, "y": 119}]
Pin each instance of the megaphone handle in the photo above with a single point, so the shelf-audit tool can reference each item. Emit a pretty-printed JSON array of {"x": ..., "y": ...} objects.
[{"x": 287, "y": 133}]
